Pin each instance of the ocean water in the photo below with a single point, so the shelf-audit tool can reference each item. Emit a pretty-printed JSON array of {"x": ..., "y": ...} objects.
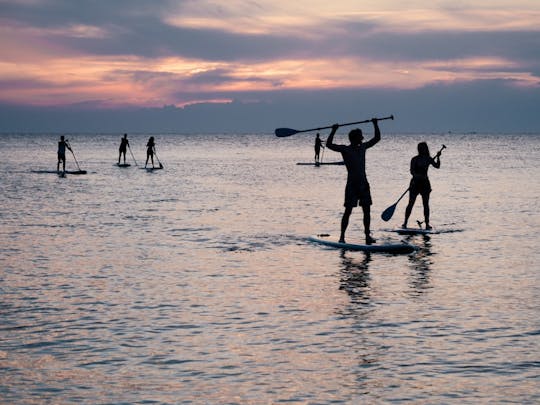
[{"x": 196, "y": 284}]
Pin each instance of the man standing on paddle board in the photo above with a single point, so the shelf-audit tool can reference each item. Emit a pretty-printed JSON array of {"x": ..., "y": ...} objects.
[
  {"x": 124, "y": 143},
  {"x": 318, "y": 145},
  {"x": 420, "y": 182},
  {"x": 62, "y": 145},
  {"x": 357, "y": 189}
]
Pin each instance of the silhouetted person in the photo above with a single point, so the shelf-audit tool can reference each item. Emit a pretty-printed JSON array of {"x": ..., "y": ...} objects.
[
  {"x": 357, "y": 190},
  {"x": 150, "y": 151},
  {"x": 124, "y": 143},
  {"x": 62, "y": 145},
  {"x": 318, "y": 145},
  {"x": 420, "y": 182}
]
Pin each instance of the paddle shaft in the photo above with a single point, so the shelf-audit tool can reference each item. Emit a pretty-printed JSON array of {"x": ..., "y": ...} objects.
[
  {"x": 155, "y": 153},
  {"x": 391, "y": 117},
  {"x": 282, "y": 132},
  {"x": 73, "y": 153},
  {"x": 129, "y": 147},
  {"x": 402, "y": 195}
]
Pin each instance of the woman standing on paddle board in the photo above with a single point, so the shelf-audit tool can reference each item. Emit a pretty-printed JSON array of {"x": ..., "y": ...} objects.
[
  {"x": 150, "y": 150},
  {"x": 420, "y": 182},
  {"x": 124, "y": 143},
  {"x": 62, "y": 145},
  {"x": 357, "y": 189}
]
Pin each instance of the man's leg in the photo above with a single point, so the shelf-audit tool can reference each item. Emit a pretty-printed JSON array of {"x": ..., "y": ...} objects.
[
  {"x": 367, "y": 224},
  {"x": 345, "y": 223}
]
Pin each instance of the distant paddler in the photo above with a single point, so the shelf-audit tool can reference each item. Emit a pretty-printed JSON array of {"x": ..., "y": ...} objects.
[
  {"x": 62, "y": 145},
  {"x": 124, "y": 144},
  {"x": 150, "y": 149},
  {"x": 318, "y": 146},
  {"x": 420, "y": 182}
]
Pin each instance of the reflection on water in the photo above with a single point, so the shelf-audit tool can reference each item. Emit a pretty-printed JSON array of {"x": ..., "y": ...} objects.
[
  {"x": 420, "y": 264},
  {"x": 355, "y": 277},
  {"x": 195, "y": 284}
]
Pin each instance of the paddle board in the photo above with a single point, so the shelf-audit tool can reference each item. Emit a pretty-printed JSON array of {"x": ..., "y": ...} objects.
[
  {"x": 319, "y": 164},
  {"x": 122, "y": 164},
  {"x": 151, "y": 169},
  {"x": 60, "y": 173},
  {"x": 327, "y": 240},
  {"x": 414, "y": 231}
]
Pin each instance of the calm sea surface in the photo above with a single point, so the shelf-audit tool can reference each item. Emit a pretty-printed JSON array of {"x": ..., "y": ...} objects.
[{"x": 195, "y": 284}]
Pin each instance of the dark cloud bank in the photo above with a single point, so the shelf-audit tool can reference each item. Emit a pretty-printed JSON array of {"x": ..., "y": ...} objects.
[{"x": 487, "y": 106}]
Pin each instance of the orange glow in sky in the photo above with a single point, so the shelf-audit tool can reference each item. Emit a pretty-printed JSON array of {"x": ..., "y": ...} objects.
[{"x": 208, "y": 51}]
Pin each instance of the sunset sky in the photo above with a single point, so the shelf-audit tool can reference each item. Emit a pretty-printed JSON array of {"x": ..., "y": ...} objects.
[{"x": 122, "y": 54}]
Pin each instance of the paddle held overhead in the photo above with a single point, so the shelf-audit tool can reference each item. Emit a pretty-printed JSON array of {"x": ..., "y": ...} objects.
[{"x": 283, "y": 132}]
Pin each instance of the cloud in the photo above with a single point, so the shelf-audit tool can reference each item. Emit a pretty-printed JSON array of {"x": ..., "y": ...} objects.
[
  {"x": 150, "y": 53},
  {"x": 483, "y": 106}
]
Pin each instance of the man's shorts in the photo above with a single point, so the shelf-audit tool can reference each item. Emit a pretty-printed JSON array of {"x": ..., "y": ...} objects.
[
  {"x": 61, "y": 157},
  {"x": 357, "y": 194}
]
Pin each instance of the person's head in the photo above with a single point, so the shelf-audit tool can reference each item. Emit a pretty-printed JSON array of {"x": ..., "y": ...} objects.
[
  {"x": 423, "y": 149},
  {"x": 151, "y": 139},
  {"x": 62, "y": 137},
  {"x": 125, "y": 135},
  {"x": 356, "y": 136}
]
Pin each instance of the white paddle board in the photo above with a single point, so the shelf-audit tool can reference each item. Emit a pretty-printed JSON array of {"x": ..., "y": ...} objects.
[{"x": 328, "y": 240}]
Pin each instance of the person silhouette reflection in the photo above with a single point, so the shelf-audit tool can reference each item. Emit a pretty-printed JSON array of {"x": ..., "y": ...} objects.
[
  {"x": 355, "y": 278},
  {"x": 420, "y": 182}
]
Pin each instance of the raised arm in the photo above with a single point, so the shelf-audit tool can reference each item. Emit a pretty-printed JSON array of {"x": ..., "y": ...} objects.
[
  {"x": 377, "y": 136},
  {"x": 436, "y": 161},
  {"x": 330, "y": 140}
]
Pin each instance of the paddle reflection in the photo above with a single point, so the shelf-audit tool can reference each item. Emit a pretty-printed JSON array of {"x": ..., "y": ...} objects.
[{"x": 355, "y": 278}]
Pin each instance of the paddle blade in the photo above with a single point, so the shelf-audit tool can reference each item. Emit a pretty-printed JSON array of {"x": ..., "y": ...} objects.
[
  {"x": 283, "y": 132},
  {"x": 387, "y": 213}
]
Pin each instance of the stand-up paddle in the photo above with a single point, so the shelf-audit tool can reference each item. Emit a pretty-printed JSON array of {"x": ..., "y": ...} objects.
[
  {"x": 387, "y": 213},
  {"x": 155, "y": 153},
  {"x": 283, "y": 132},
  {"x": 129, "y": 147},
  {"x": 77, "y": 163}
]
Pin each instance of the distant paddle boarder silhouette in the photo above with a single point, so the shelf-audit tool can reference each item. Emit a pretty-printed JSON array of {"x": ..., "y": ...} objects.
[
  {"x": 150, "y": 150},
  {"x": 124, "y": 143},
  {"x": 62, "y": 145},
  {"x": 318, "y": 145},
  {"x": 357, "y": 190},
  {"x": 420, "y": 182}
]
